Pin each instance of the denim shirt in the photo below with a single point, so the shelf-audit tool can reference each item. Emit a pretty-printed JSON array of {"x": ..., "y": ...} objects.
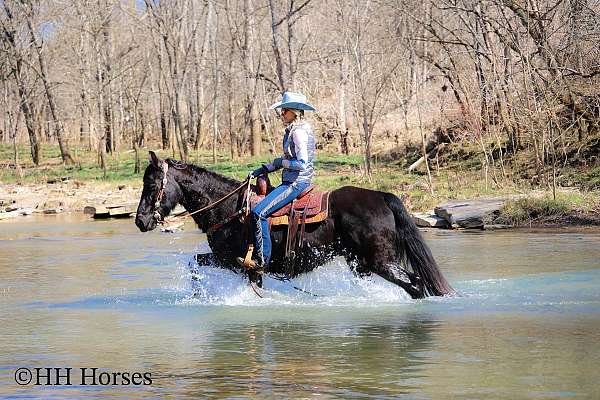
[{"x": 298, "y": 153}]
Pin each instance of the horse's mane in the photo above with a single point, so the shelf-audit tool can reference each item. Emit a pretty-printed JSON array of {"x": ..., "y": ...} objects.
[{"x": 196, "y": 170}]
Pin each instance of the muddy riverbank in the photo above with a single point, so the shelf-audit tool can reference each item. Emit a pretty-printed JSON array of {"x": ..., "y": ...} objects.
[
  {"x": 74, "y": 196},
  {"x": 65, "y": 196}
]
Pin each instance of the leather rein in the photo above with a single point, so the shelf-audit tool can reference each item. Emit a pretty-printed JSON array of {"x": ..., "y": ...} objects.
[{"x": 184, "y": 214}]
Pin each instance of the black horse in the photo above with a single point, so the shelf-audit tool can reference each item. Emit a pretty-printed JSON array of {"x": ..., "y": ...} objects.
[{"x": 371, "y": 229}]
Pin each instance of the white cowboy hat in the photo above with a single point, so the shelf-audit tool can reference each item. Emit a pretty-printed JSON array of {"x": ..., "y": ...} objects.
[{"x": 294, "y": 101}]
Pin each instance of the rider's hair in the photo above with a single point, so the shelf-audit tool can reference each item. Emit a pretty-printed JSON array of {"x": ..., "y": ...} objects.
[{"x": 299, "y": 113}]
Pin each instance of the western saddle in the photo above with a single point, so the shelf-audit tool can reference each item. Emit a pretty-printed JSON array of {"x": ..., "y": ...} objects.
[{"x": 308, "y": 208}]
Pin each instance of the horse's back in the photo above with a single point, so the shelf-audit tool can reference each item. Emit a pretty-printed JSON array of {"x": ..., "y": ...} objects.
[
  {"x": 352, "y": 199},
  {"x": 361, "y": 212}
]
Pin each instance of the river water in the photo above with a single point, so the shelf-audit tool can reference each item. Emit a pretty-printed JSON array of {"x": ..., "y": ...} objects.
[{"x": 77, "y": 293}]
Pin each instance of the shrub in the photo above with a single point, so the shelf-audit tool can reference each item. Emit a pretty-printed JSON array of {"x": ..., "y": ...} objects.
[{"x": 526, "y": 210}]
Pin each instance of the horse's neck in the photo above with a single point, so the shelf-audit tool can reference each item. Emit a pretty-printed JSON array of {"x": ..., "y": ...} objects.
[{"x": 201, "y": 188}]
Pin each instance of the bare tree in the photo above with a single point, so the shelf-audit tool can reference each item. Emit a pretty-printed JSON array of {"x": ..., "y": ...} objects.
[
  {"x": 29, "y": 11},
  {"x": 286, "y": 71},
  {"x": 370, "y": 78},
  {"x": 245, "y": 41},
  {"x": 510, "y": 76},
  {"x": 17, "y": 52},
  {"x": 178, "y": 44}
]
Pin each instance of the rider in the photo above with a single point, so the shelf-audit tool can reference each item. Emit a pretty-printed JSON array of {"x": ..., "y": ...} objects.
[{"x": 297, "y": 164}]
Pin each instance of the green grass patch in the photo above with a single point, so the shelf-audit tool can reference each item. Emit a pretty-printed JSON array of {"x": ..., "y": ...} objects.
[
  {"x": 120, "y": 167},
  {"x": 526, "y": 210},
  {"x": 458, "y": 181},
  {"x": 586, "y": 178}
]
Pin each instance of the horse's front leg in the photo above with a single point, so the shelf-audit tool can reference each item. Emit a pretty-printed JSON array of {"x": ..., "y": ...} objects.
[{"x": 211, "y": 260}]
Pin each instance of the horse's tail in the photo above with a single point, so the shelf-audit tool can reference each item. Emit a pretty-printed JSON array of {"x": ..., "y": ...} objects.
[{"x": 417, "y": 252}]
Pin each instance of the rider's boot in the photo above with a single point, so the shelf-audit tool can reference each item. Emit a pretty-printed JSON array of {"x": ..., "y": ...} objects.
[{"x": 251, "y": 262}]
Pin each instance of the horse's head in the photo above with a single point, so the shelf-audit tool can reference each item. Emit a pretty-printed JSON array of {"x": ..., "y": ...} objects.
[{"x": 160, "y": 194}]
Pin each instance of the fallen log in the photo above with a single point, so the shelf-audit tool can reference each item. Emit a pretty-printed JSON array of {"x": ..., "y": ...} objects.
[
  {"x": 101, "y": 212},
  {"x": 420, "y": 161},
  {"x": 121, "y": 211}
]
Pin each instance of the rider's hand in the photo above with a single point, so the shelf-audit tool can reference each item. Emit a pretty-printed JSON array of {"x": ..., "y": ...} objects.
[
  {"x": 278, "y": 162},
  {"x": 257, "y": 172}
]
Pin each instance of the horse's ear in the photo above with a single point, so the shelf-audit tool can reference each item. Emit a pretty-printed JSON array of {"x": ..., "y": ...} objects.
[{"x": 154, "y": 160}]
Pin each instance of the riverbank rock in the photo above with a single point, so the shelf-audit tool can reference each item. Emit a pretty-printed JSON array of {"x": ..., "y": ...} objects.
[
  {"x": 111, "y": 211},
  {"x": 15, "y": 212},
  {"x": 69, "y": 195},
  {"x": 471, "y": 214},
  {"x": 429, "y": 220},
  {"x": 9, "y": 214}
]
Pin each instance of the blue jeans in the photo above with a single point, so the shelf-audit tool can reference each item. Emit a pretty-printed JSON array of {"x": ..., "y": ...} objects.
[{"x": 279, "y": 197}]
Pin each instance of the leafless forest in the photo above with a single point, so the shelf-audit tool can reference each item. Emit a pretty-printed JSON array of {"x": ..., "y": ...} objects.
[{"x": 508, "y": 75}]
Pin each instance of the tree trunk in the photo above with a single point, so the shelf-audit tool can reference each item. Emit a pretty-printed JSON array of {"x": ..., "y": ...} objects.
[
  {"x": 424, "y": 149},
  {"x": 279, "y": 66},
  {"x": 34, "y": 141},
  {"x": 230, "y": 105},
  {"x": 120, "y": 129},
  {"x": 179, "y": 128},
  {"x": 101, "y": 111},
  {"x": 342, "y": 122},
  {"x": 108, "y": 134},
  {"x": 200, "y": 98},
  {"x": 367, "y": 132},
  {"x": 25, "y": 103},
  {"x": 11, "y": 124},
  {"x": 58, "y": 125},
  {"x": 160, "y": 102},
  {"x": 291, "y": 49},
  {"x": 251, "y": 80},
  {"x": 138, "y": 139},
  {"x": 216, "y": 90}
]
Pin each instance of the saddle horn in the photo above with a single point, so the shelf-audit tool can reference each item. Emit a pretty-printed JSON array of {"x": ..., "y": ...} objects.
[{"x": 262, "y": 185}]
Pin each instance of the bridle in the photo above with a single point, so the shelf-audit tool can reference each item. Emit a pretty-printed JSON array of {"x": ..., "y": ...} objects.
[{"x": 161, "y": 193}]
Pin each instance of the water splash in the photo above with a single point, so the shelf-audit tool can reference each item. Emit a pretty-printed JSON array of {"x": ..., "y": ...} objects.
[{"x": 331, "y": 285}]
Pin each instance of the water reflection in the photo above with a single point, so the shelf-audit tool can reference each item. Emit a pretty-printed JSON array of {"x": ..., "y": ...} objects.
[
  {"x": 337, "y": 359},
  {"x": 196, "y": 352},
  {"x": 103, "y": 295}
]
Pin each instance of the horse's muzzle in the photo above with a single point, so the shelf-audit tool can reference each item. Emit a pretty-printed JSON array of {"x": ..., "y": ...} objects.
[{"x": 145, "y": 224}]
